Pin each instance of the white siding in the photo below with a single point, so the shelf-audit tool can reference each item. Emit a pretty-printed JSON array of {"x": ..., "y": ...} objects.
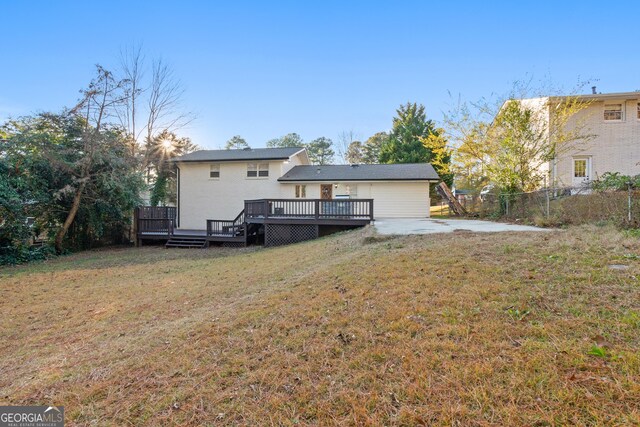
[
  {"x": 202, "y": 198},
  {"x": 400, "y": 199},
  {"x": 391, "y": 199}
]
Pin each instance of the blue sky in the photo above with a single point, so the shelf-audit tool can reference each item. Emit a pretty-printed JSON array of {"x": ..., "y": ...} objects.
[{"x": 318, "y": 68}]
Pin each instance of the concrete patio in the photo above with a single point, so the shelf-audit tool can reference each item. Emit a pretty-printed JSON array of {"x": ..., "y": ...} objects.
[{"x": 431, "y": 226}]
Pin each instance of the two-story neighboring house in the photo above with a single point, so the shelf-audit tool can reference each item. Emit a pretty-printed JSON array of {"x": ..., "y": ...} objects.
[
  {"x": 612, "y": 121},
  {"x": 215, "y": 184}
]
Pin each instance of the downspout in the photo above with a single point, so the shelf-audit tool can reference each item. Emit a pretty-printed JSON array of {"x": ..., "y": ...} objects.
[{"x": 177, "y": 195}]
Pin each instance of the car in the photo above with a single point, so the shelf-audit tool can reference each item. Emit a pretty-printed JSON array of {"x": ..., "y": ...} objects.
[{"x": 486, "y": 190}]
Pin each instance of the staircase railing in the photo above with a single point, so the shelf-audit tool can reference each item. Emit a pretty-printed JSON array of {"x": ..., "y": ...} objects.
[{"x": 230, "y": 228}]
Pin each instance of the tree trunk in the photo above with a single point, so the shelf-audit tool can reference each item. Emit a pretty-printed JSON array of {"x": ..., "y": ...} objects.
[{"x": 70, "y": 217}]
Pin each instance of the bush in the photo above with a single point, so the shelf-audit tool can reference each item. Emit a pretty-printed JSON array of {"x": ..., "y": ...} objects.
[
  {"x": 12, "y": 255},
  {"x": 614, "y": 181}
]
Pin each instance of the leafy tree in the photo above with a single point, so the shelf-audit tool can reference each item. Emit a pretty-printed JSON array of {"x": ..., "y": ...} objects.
[
  {"x": 79, "y": 165},
  {"x": 236, "y": 143},
  {"x": 405, "y": 144},
  {"x": 438, "y": 145},
  {"x": 15, "y": 196},
  {"x": 75, "y": 175},
  {"x": 511, "y": 144},
  {"x": 320, "y": 151},
  {"x": 354, "y": 153},
  {"x": 288, "y": 140},
  {"x": 371, "y": 147}
]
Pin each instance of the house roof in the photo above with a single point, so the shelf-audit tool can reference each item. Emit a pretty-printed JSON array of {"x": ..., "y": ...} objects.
[
  {"x": 590, "y": 96},
  {"x": 610, "y": 96},
  {"x": 239, "y": 155},
  {"x": 386, "y": 172}
]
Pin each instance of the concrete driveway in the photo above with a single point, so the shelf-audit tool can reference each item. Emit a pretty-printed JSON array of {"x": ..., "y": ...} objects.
[{"x": 430, "y": 226}]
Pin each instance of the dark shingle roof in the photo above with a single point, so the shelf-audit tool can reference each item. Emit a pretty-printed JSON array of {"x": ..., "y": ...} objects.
[
  {"x": 394, "y": 172},
  {"x": 232, "y": 155}
]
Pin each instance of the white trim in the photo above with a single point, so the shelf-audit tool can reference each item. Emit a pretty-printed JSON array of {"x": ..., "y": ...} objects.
[
  {"x": 258, "y": 170},
  {"x": 622, "y": 105},
  {"x": 333, "y": 181},
  {"x": 211, "y": 169},
  {"x": 588, "y": 169}
]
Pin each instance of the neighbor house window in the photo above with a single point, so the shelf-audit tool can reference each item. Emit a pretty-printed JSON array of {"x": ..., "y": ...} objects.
[
  {"x": 257, "y": 170},
  {"x": 352, "y": 190},
  {"x": 580, "y": 168},
  {"x": 638, "y": 110},
  {"x": 301, "y": 191},
  {"x": 613, "y": 112},
  {"x": 214, "y": 171}
]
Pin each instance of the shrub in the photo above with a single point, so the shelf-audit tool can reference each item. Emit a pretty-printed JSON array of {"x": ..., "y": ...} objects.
[
  {"x": 12, "y": 255},
  {"x": 614, "y": 181}
]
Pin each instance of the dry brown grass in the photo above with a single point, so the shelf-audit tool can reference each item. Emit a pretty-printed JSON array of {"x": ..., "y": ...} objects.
[{"x": 473, "y": 329}]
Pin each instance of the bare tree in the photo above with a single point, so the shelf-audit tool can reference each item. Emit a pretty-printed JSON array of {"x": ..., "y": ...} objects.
[
  {"x": 132, "y": 66},
  {"x": 153, "y": 102},
  {"x": 345, "y": 139}
]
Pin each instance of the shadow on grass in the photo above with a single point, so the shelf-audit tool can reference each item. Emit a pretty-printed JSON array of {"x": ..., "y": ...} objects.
[{"x": 122, "y": 256}]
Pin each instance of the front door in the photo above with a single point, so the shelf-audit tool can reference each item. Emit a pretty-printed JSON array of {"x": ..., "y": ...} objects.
[
  {"x": 326, "y": 191},
  {"x": 581, "y": 171}
]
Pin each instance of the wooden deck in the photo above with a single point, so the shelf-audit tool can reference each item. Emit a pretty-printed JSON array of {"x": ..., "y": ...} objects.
[
  {"x": 309, "y": 211},
  {"x": 274, "y": 221}
]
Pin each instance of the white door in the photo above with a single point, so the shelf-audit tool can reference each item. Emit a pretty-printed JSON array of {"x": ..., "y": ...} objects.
[{"x": 581, "y": 171}]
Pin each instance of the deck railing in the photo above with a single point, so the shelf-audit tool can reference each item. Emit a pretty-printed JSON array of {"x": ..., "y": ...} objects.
[
  {"x": 156, "y": 225},
  {"x": 354, "y": 209},
  {"x": 231, "y": 228},
  {"x": 155, "y": 219}
]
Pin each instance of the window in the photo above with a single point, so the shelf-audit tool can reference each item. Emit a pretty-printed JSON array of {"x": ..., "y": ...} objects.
[
  {"x": 580, "y": 168},
  {"x": 257, "y": 170},
  {"x": 301, "y": 191},
  {"x": 352, "y": 190},
  {"x": 214, "y": 171},
  {"x": 263, "y": 170},
  {"x": 638, "y": 110},
  {"x": 613, "y": 112}
]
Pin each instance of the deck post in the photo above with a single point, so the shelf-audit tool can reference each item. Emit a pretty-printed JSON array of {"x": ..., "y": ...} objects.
[
  {"x": 136, "y": 216},
  {"x": 371, "y": 209},
  {"x": 317, "y": 208},
  {"x": 265, "y": 208},
  {"x": 245, "y": 233}
]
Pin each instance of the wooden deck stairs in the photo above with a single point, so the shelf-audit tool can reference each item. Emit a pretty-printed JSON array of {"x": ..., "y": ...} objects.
[{"x": 195, "y": 242}]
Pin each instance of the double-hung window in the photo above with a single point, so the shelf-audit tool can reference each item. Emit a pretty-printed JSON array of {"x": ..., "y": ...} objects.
[
  {"x": 257, "y": 170},
  {"x": 301, "y": 191},
  {"x": 214, "y": 171},
  {"x": 638, "y": 110},
  {"x": 613, "y": 113}
]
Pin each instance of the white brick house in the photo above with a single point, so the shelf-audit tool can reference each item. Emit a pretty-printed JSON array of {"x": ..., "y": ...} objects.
[{"x": 613, "y": 121}]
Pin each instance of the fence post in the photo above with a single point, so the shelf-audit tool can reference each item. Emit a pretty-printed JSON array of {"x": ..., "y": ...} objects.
[
  {"x": 546, "y": 190},
  {"x": 629, "y": 202}
]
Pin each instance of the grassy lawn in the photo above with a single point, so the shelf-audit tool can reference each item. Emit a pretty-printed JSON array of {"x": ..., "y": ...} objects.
[{"x": 353, "y": 329}]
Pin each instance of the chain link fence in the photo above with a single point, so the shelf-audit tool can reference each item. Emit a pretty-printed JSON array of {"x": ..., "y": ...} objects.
[{"x": 558, "y": 206}]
